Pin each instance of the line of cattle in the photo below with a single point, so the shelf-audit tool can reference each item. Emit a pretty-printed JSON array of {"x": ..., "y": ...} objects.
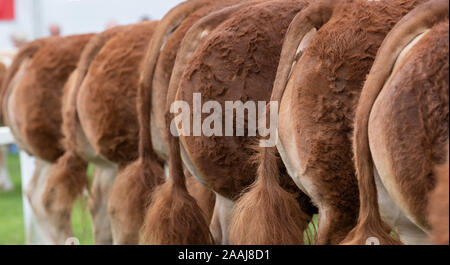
[{"x": 363, "y": 134}]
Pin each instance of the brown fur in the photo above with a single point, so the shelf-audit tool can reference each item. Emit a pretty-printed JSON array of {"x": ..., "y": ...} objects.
[
  {"x": 282, "y": 209},
  {"x": 74, "y": 139},
  {"x": 147, "y": 167},
  {"x": 26, "y": 52},
  {"x": 159, "y": 90},
  {"x": 324, "y": 87},
  {"x": 278, "y": 222},
  {"x": 418, "y": 106},
  {"x": 164, "y": 67},
  {"x": 71, "y": 168},
  {"x": 411, "y": 99},
  {"x": 39, "y": 95},
  {"x": 102, "y": 113},
  {"x": 172, "y": 197},
  {"x": 38, "y": 119},
  {"x": 154, "y": 85},
  {"x": 168, "y": 25},
  {"x": 238, "y": 62},
  {"x": 244, "y": 30},
  {"x": 161, "y": 77},
  {"x": 110, "y": 122},
  {"x": 439, "y": 206},
  {"x": 193, "y": 221},
  {"x": 147, "y": 170}
]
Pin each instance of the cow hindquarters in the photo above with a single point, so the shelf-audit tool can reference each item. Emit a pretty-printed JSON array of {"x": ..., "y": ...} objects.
[{"x": 318, "y": 158}]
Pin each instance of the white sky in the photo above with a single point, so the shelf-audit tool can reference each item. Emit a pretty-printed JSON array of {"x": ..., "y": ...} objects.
[{"x": 79, "y": 16}]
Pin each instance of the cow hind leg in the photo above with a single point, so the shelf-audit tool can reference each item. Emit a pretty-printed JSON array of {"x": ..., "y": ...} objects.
[
  {"x": 407, "y": 231},
  {"x": 337, "y": 208},
  {"x": 5, "y": 181},
  {"x": 66, "y": 182},
  {"x": 34, "y": 192},
  {"x": 221, "y": 219},
  {"x": 333, "y": 226},
  {"x": 410, "y": 234},
  {"x": 104, "y": 176}
]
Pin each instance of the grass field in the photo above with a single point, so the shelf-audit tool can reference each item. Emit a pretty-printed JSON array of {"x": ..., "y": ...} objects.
[{"x": 11, "y": 214}]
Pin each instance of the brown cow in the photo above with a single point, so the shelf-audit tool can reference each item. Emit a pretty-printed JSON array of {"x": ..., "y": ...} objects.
[
  {"x": 100, "y": 123},
  {"x": 401, "y": 131},
  {"x": 229, "y": 55},
  {"x": 326, "y": 56},
  {"x": 139, "y": 178},
  {"x": 87, "y": 137},
  {"x": 31, "y": 101}
]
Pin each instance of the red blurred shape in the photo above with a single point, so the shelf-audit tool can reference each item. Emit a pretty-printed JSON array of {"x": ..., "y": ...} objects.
[{"x": 6, "y": 9}]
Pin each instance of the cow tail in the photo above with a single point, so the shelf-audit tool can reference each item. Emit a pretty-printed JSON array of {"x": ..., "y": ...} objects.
[{"x": 267, "y": 214}]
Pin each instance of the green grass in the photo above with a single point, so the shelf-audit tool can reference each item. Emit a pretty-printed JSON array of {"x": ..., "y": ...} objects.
[{"x": 11, "y": 214}]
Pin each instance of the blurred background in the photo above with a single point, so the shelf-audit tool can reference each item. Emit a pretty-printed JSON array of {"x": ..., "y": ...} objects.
[
  {"x": 22, "y": 21},
  {"x": 25, "y": 20}
]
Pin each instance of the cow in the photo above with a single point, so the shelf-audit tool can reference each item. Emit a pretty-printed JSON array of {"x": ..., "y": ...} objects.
[
  {"x": 231, "y": 54},
  {"x": 101, "y": 126},
  {"x": 153, "y": 87},
  {"x": 31, "y": 97},
  {"x": 99, "y": 117},
  {"x": 401, "y": 133},
  {"x": 327, "y": 54},
  {"x": 126, "y": 215}
]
